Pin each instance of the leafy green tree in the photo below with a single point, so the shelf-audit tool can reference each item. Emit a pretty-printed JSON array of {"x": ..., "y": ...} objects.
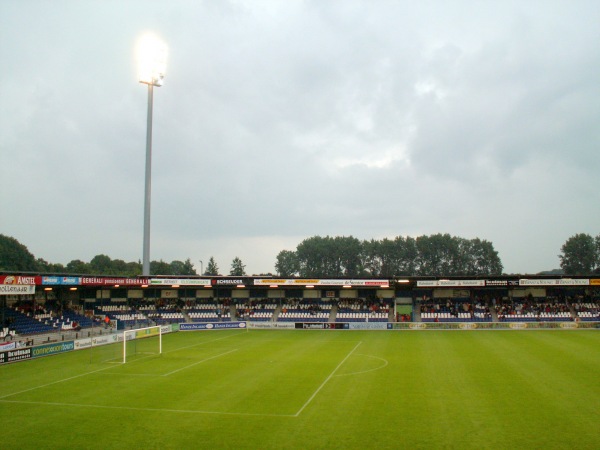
[
  {"x": 237, "y": 268},
  {"x": 479, "y": 258},
  {"x": 287, "y": 264},
  {"x": 101, "y": 265},
  {"x": 579, "y": 254},
  {"x": 597, "y": 241},
  {"x": 77, "y": 266},
  {"x": 373, "y": 257},
  {"x": 211, "y": 268},
  {"x": 188, "y": 268},
  {"x": 182, "y": 268},
  {"x": 401, "y": 256},
  {"x": 134, "y": 269},
  {"x": 349, "y": 260},
  {"x": 312, "y": 254},
  {"x": 317, "y": 257},
  {"x": 160, "y": 268},
  {"x": 15, "y": 256},
  {"x": 119, "y": 267},
  {"x": 409, "y": 253},
  {"x": 438, "y": 254},
  {"x": 46, "y": 267},
  {"x": 430, "y": 255},
  {"x": 340, "y": 256}
]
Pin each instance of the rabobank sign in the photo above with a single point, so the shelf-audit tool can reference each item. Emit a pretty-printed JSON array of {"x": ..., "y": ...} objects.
[{"x": 210, "y": 326}]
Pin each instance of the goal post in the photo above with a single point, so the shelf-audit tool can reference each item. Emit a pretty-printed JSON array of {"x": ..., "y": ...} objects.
[{"x": 142, "y": 342}]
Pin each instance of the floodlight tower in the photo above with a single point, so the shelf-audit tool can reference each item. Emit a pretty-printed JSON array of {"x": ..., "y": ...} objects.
[{"x": 152, "y": 59}]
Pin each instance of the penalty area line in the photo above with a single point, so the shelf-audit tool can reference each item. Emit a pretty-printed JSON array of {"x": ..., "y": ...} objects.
[
  {"x": 326, "y": 380},
  {"x": 199, "y": 362}
]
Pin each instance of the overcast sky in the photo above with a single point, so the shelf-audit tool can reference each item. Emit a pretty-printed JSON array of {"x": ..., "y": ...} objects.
[{"x": 282, "y": 120}]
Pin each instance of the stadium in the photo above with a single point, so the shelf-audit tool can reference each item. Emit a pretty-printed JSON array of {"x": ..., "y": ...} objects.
[{"x": 255, "y": 362}]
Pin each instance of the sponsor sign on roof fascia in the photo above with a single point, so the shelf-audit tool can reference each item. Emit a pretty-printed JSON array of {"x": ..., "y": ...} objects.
[
  {"x": 450, "y": 283},
  {"x": 555, "y": 282},
  {"x": 101, "y": 281},
  {"x": 316, "y": 282},
  {"x": 18, "y": 279},
  {"x": 69, "y": 281},
  {"x": 181, "y": 282}
]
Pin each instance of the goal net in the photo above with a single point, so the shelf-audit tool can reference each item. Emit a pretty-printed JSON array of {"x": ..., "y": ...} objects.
[{"x": 142, "y": 342}]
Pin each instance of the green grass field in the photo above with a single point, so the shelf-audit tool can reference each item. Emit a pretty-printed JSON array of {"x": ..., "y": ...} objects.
[{"x": 261, "y": 389}]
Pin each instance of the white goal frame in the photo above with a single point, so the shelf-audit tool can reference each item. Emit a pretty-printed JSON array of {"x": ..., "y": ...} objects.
[{"x": 142, "y": 333}]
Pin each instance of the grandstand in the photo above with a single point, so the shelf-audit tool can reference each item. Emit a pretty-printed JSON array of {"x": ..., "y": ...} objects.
[{"x": 83, "y": 310}]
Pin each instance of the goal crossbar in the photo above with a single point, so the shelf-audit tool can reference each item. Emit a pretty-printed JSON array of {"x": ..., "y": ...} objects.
[{"x": 142, "y": 334}]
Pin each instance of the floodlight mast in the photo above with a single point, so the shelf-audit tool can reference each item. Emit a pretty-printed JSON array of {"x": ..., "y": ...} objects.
[{"x": 152, "y": 57}]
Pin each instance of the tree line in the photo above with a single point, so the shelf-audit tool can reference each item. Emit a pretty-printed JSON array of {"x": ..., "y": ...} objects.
[
  {"x": 331, "y": 257},
  {"x": 15, "y": 256},
  {"x": 435, "y": 255}
]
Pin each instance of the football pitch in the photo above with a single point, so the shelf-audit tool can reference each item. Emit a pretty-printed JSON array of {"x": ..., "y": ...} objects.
[{"x": 309, "y": 389}]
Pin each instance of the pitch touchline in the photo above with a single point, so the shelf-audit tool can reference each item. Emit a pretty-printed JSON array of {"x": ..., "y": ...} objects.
[
  {"x": 55, "y": 382},
  {"x": 326, "y": 380},
  {"x": 132, "y": 408},
  {"x": 199, "y": 362}
]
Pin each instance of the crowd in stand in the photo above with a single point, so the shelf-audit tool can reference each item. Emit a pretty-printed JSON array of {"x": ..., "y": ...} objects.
[
  {"x": 533, "y": 308},
  {"x": 455, "y": 309},
  {"x": 54, "y": 316}
]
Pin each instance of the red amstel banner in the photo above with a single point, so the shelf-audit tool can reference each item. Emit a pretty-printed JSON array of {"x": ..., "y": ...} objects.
[{"x": 20, "y": 279}]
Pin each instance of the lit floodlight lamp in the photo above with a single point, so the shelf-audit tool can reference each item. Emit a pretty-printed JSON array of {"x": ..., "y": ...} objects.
[{"x": 151, "y": 55}]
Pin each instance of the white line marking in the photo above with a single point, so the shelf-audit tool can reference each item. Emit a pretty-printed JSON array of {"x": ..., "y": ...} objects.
[
  {"x": 132, "y": 408},
  {"x": 385, "y": 363},
  {"x": 205, "y": 342},
  {"x": 108, "y": 367},
  {"x": 199, "y": 362},
  {"x": 326, "y": 380},
  {"x": 55, "y": 382}
]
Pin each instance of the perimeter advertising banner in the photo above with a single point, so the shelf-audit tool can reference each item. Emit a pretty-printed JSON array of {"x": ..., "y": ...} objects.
[
  {"x": 50, "y": 349},
  {"x": 210, "y": 326},
  {"x": 15, "y": 355}
]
